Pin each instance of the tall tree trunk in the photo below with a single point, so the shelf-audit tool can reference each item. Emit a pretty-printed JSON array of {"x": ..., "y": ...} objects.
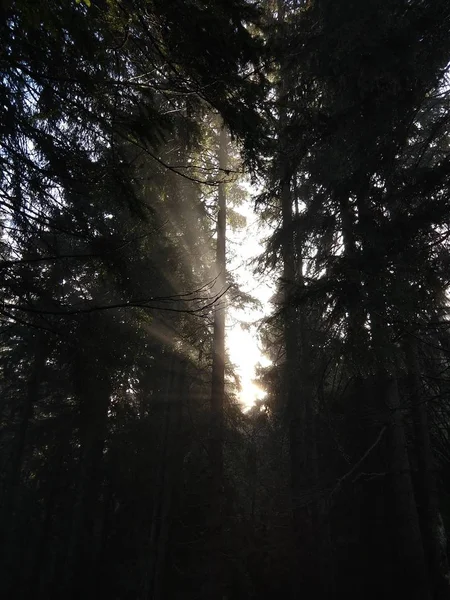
[
  {"x": 172, "y": 461},
  {"x": 215, "y": 577},
  {"x": 10, "y": 549},
  {"x": 93, "y": 391},
  {"x": 431, "y": 521},
  {"x": 151, "y": 551},
  {"x": 410, "y": 572},
  {"x": 26, "y": 412},
  {"x": 39, "y": 579},
  {"x": 169, "y": 463},
  {"x": 298, "y": 377}
]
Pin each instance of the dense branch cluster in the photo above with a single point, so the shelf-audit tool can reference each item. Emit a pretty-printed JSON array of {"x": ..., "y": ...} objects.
[{"x": 127, "y": 468}]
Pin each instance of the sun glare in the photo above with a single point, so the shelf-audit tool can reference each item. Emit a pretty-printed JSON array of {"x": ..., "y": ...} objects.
[
  {"x": 246, "y": 356},
  {"x": 242, "y": 340}
]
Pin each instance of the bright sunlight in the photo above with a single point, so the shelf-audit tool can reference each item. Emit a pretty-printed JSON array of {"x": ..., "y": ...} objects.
[{"x": 242, "y": 325}]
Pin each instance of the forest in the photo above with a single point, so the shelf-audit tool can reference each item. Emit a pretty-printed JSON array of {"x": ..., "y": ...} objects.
[{"x": 130, "y": 133}]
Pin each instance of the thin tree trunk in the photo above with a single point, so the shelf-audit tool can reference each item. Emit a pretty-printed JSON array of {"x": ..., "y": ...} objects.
[
  {"x": 297, "y": 395},
  {"x": 358, "y": 334},
  {"x": 432, "y": 526},
  {"x": 215, "y": 577}
]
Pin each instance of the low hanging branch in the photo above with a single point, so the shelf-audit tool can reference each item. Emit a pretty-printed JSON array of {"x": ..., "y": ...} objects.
[{"x": 153, "y": 303}]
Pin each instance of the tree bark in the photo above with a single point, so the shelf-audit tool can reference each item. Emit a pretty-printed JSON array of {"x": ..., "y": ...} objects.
[
  {"x": 298, "y": 377},
  {"x": 172, "y": 460},
  {"x": 431, "y": 521},
  {"x": 26, "y": 412},
  {"x": 410, "y": 573},
  {"x": 169, "y": 463},
  {"x": 13, "y": 481},
  {"x": 93, "y": 391},
  {"x": 215, "y": 576}
]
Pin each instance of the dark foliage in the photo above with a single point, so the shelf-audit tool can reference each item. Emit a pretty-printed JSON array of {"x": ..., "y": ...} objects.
[{"x": 337, "y": 484}]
